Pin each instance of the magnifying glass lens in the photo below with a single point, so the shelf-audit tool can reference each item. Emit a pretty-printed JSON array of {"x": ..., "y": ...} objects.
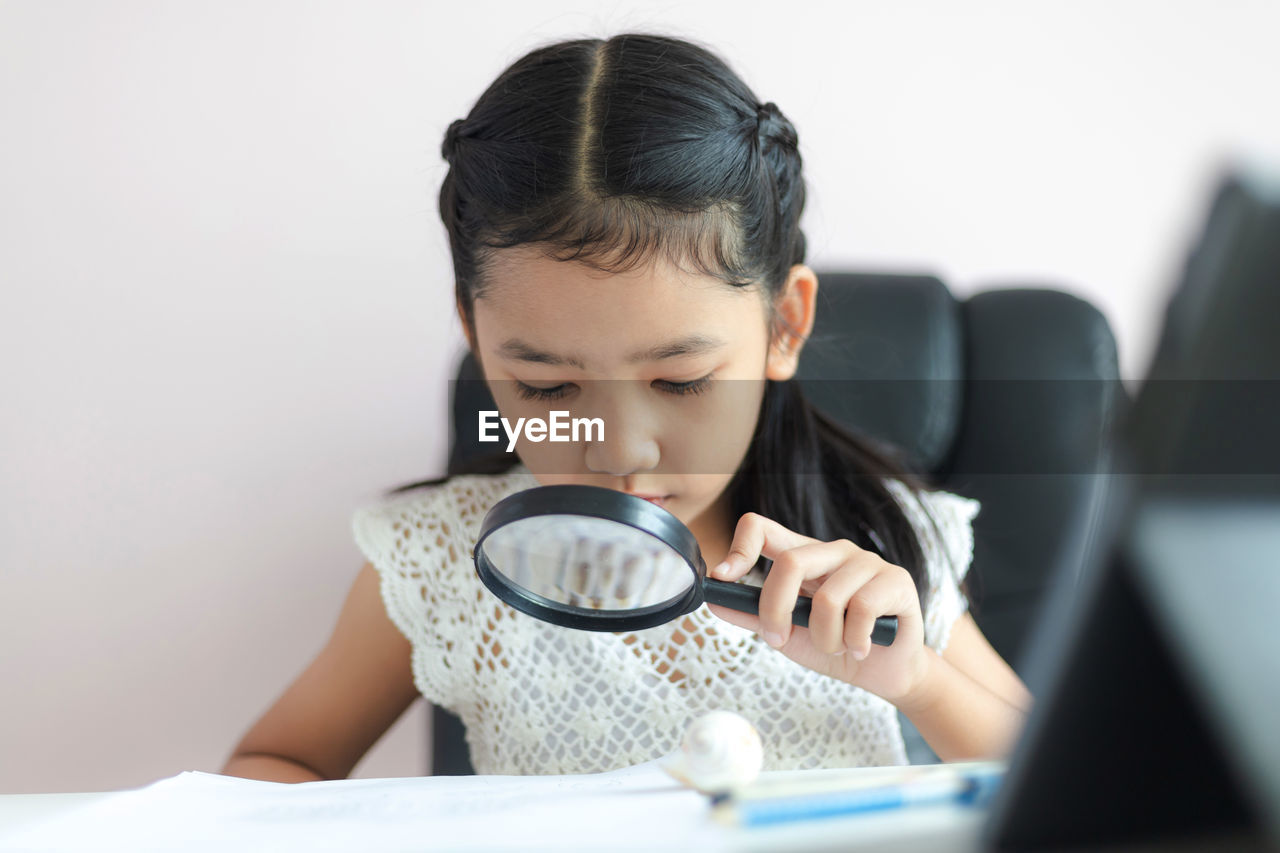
[
  {"x": 589, "y": 564},
  {"x": 601, "y": 560}
]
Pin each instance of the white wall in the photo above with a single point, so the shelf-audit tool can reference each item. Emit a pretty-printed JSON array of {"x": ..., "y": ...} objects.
[{"x": 226, "y": 294}]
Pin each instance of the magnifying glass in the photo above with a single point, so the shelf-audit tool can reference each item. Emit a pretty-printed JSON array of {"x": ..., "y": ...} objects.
[{"x": 603, "y": 560}]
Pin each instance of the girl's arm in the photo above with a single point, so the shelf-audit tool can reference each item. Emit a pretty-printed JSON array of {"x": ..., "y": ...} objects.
[
  {"x": 969, "y": 652},
  {"x": 970, "y": 703},
  {"x": 359, "y": 684},
  {"x": 960, "y": 718},
  {"x": 270, "y": 768}
]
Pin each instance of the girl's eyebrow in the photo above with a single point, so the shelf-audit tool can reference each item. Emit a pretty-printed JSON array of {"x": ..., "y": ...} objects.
[{"x": 518, "y": 350}]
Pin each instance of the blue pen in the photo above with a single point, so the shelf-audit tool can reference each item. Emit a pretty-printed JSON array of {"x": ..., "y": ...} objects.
[{"x": 973, "y": 788}]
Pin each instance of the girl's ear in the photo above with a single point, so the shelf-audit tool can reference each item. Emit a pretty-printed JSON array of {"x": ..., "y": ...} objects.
[{"x": 794, "y": 310}]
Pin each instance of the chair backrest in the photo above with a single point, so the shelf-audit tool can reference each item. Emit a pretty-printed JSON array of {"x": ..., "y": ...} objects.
[{"x": 1005, "y": 397}]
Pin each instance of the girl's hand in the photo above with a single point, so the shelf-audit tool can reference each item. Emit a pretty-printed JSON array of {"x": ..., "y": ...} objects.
[{"x": 850, "y": 587}]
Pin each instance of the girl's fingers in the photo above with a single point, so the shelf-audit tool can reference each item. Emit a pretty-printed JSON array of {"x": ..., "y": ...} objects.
[
  {"x": 827, "y": 625},
  {"x": 783, "y": 585},
  {"x": 750, "y": 621},
  {"x": 754, "y": 536},
  {"x": 890, "y": 592},
  {"x": 849, "y": 574}
]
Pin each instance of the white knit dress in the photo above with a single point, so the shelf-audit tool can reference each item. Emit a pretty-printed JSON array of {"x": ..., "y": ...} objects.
[{"x": 537, "y": 698}]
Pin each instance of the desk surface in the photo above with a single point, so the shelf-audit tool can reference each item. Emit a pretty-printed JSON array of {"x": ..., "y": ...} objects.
[
  {"x": 634, "y": 808},
  {"x": 923, "y": 829},
  {"x": 18, "y": 810}
]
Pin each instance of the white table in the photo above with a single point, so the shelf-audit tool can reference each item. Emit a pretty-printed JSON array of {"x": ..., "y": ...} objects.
[{"x": 648, "y": 812}]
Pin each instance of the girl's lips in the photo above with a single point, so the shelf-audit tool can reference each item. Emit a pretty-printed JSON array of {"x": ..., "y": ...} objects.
[{"x": 660, "y": 500}]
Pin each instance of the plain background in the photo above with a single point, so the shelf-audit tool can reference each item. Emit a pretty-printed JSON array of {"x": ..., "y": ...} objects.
[{"x": 227, "y": 299}]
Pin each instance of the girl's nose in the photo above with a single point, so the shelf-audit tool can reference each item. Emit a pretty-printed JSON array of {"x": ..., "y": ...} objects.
[{"x": 629, "y": 444}]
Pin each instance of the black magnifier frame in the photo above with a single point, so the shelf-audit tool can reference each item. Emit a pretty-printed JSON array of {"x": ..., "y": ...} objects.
[{"x": 648, "y": 518}]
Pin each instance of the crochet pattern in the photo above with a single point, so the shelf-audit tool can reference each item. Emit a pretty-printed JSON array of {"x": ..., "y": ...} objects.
[{"x": 538, "y": 699}]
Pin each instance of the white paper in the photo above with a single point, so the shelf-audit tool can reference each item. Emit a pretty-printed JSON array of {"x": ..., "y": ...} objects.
[{"x": 636, "y": 808}]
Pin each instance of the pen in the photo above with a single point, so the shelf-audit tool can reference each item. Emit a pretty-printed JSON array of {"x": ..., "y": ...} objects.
[{"x": 971, "y": 788}]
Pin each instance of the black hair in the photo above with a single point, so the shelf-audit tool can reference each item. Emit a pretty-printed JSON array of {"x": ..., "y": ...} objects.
[{"x": 612, "y": 152}]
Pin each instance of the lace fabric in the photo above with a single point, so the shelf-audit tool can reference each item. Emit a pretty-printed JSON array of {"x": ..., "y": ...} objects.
[{"x": 537, "y": 698}]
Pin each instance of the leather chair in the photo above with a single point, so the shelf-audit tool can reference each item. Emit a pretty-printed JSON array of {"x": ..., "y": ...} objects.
[{"x": 1006, "y": 397}]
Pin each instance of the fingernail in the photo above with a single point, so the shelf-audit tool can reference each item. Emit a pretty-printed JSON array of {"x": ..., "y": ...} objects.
[
  {"x": 720, "y": 570},
  {"x": 842, "y": 651},
  {"x": 773, "y": 639},
  {"x": 859, "y": 654}
]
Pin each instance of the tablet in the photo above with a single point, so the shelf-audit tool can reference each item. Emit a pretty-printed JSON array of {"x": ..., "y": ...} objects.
[{"x": 1158, "y": 677}]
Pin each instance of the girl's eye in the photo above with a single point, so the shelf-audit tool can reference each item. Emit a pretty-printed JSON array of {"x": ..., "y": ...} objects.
[
  {"x": 531, "y": 392},
  {"x": 696, "y": 386}
]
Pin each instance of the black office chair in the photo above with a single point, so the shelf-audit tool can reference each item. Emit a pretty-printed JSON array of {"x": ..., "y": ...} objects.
[{"x": 1005, "y": 397}]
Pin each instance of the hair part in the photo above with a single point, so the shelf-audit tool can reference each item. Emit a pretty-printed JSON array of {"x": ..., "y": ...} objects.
[{"x": 613, "y": 152}]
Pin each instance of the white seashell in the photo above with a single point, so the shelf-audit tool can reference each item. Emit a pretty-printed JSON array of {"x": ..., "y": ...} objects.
[{"x": 720, "y": 751}]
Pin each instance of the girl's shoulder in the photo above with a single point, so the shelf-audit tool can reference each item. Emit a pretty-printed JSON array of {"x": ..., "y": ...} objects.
[
  {"x": 443, "y": 515},
  {"x": 419, "y": 541},
  {"x": 943, "y": 522},
  {"x": 942, "y": 505}
]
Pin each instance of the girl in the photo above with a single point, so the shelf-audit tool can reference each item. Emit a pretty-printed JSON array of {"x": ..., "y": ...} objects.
[{"x": 624, "y": 222}]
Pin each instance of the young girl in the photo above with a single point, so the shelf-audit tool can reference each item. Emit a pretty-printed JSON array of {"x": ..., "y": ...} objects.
[{"x": 624, "y": 222}]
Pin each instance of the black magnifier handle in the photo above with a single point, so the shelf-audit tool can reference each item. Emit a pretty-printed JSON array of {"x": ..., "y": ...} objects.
[{"x": 746, "y": 599}]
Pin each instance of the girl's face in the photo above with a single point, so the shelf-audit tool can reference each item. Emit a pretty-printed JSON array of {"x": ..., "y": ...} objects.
[{"x": 673, "y": 363}]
